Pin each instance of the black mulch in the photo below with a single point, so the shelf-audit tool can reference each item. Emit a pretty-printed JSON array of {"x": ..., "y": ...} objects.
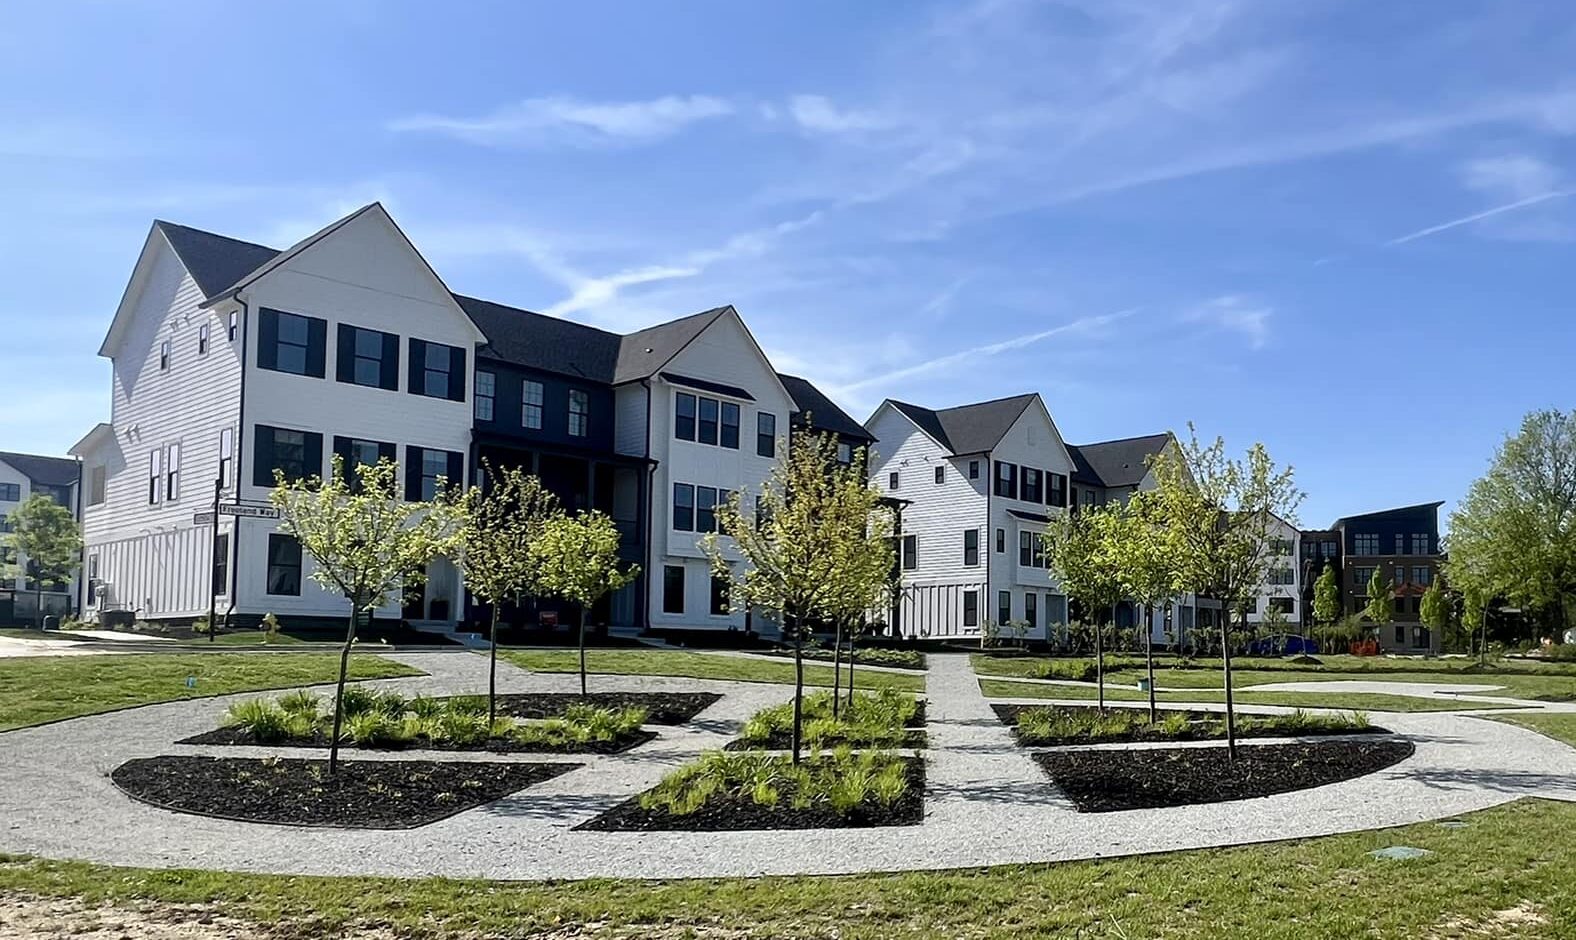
[
  {"x": 1102, "y": 781},
  {"x": 662, "y": 708},
  {"x": 735, "y": 814},
  {"x": 361, "y": 795},
  {"x": 242, "y": 736},
  {"x": 783, "y": 740},
  {"x": 1009, "y": 716}
]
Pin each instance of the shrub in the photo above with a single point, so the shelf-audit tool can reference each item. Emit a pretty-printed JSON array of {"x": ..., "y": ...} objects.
[
  {"x": 841, "y": 781},
  {"x": 300, "y": 702}
]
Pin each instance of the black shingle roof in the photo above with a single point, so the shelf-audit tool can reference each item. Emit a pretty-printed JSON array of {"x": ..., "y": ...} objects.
[
  {"x": 537, "y": 341},
  {"x": 50, "y": 471},
  {"x": 215, "y": 261},
  {"x": 969, "y": 429},
  {"x": 643, "y": 352},
  {"x": 1116, "y": 463},
  {"x": 814, "y": 410}
]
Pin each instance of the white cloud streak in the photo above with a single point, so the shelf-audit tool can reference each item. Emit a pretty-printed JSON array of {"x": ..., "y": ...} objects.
[
  {"x": 1478, "y": 217},
  {"x": 818, "y": 114},
  {"x": 1234, "y": 313},
  {"x": 562, "y": 120}
]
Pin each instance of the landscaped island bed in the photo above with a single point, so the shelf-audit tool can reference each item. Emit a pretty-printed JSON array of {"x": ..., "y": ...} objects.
[
  {"x": 662, "y": 708},
  {"x": 360, "y": 795},
  {"x": 863, "y": 656},
  {"x": 694, "y": 665},
  {"x": 885, "y": 719},
  {"x": 388, "y": 720},
  {"x": 1100, "y": 780},
  {"x": 1053, "y": 725},
  {"x": 752, "y": 790}
]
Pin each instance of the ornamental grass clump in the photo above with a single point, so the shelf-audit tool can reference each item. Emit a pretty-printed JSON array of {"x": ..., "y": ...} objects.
[
  {"x": 263, "y": 719},
  {"x": 841, "y": 781},
  {"x": 871, "y": 719}
]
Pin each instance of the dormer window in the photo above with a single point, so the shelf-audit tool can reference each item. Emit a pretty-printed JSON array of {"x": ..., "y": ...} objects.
[{"x": 164, "y": 356}]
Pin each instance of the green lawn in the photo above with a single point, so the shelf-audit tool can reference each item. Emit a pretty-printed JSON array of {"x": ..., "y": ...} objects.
[
  {"x": 1545, "y": 681},
  {"x": 1501, "y": 876},
  {"x": 1360, "y": 701},
  {"x": 652, "y": 662},
  {"x": 36, "y": 689},
  {"x": 1560, "y": 726}
]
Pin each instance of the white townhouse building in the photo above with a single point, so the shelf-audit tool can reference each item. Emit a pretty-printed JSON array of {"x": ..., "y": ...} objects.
[
  {"x": 1282, "y": 588},
  {"x": 232, "y": 360},
  {"x": 22, "y": 475},
  {"x": 977, "y": 485}
]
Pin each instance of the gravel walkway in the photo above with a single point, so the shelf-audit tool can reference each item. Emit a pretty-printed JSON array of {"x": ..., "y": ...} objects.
[{"x": 987, "y": 802}]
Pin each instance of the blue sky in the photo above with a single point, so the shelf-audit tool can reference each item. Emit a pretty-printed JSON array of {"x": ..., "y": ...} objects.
[{"x": 1342, "y": 228}]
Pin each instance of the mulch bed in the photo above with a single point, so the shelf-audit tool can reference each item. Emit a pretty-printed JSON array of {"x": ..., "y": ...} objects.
[
  {"x": 1103, "y": 781},
  {"x": 1009, "y": 716},
  {"x": 783, "y": 740},
  {"x": 241, "y": 736},
  {"x": 725, "y": 814},
  {"x": 662, "y": 708},
  {"x": 361, "y": 795}
]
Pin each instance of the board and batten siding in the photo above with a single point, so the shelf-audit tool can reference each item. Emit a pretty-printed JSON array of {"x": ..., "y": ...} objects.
[
  {"x": 151, "y": 557},
  {"x": 1032, "y": 441}
]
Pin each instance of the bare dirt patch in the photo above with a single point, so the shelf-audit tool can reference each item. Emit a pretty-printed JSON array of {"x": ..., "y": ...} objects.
[{"x": 30, "y": 918}]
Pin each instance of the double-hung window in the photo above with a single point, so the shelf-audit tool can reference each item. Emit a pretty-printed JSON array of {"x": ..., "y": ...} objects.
[
  {"x": 684, "y": 507},
  {"x": 705, "y": 509},
  {"x": 910, "y": 552},
  {"x": 1007, "y": 480},
  {"x": 172, "y": 472},
  {"x": 971, "y": 548},
  {"x": 204, "y": 330},
  {"x": 672, "y": 589},
  {"x": 233, "y": 327},
  {"x": 706, "y": 427},
  {"x": 971, "y": 608},
  {"x": 1033, "y": 491},
  {"x": 729, "y": 435},
  {"x": 289, "y": 342},
  {"x": 367, "y": 357},
  {"x": 164, "y": 356},
  {"x": 579, "y": 413},
  {"x": 437, "y": 370},
  {"x": 297, "y": 455},
  {"x": 1057, "y": 492},
  {"x": 226, "y": 456},
  {"x": 765, "y": 434},
  {"x": 532, "y": 399},
  {"x": 845, "y": 453},
  {"x": 155, "y": 476},
  {"x": 486, "y": 395},
  {"x": 1031, "y": 612},
  {"x": 1025, "y": 548},
  {"x": 684, "y": 416},
  {"x": 284, "y": 565},
  {"x": 1003, "y": 608}
]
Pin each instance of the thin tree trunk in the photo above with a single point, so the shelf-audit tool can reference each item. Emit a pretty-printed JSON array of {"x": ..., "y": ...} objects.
[
  {"x": 837, "y": 668},
  {"x": 339, "y": 690},
  {"x": 1225, "y": 657},
  {"x": 1149, "y": 655},
  {"x": 850, "y": 669},
  {"x": 492, "y": 670},
  {"x": 582, "y": 651},
  {"x": 1099, "y": 664},
  {"x": 798, "y": 692}
]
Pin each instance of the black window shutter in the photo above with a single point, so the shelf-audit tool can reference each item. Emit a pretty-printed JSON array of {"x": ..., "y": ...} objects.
[
  {"x": 314, "y": 452},
  {"x": 316, "y": 346},
  {"x": 263, "y": 456},
  {"x": 390, "y": 371},
  {"x": 457, "y": 374},
  {"x": 268, "y": 339},
  {"x": 412, "y": 464},
  {"x": 456, "y": 474},
  {"x": 418, "y": 356},
  {"x": 387, "y": 452},
  {"x": 345, "y": 356},
  {"x": 342, "y": 451}
]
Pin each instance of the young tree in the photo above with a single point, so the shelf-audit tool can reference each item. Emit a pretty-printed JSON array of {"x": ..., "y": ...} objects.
[
  {"x": 863, "y": 569},
  {"x": 1326, "y": 596},
  {"x": 808, "y": 515},
  {"x": 1079, "y": 549},
  {"x": 365, "y": 542},
  {"x": 1378, "y": 609},
  {"x": 1435, "y": 609},
  {"x": 577, "y": 558},
  {"x": 1145, "y": 566},
  {"x": 48, "y": 536},
  {"x": 1221, "y": 516},
  {"x": 499, "y": 525},
  {"x": 1514, "y": 533}
]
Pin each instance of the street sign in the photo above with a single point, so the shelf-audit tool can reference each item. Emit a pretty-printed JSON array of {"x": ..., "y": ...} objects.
[
  {"x": 250, "y": 512},
  {"x": 202, "y": 518}
]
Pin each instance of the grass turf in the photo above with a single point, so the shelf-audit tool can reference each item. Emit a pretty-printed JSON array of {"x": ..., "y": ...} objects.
[
  {"x": 700, "y": 666},
  {"x": 1346, "y": 701},
  {"x": 37, "y": 689},
  {"x": 1553, "y": 681},
  {"x": 1499, "y": 876},
  {"x": 1561, "y": 726}
]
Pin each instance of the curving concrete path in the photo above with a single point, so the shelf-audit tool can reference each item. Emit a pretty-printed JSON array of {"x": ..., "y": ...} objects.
[{"x": 987, "y": 802}]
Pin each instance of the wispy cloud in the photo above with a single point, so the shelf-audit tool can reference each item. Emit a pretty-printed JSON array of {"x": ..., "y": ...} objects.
[
  {"x": 1083, "y": 325},
  {"x": 563, "y": 120},
  {"x": 1234, "y": 313},
  {"x": 818, "y": 114}
]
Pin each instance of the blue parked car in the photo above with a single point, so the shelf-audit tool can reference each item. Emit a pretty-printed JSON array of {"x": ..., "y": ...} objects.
[{"x": 1284, "y": 644}]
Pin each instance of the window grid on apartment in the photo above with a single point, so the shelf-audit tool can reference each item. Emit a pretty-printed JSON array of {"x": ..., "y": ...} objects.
[
  {"x": 579, "y": 413},
  {"x": 971, "y": 548},
  {"x": 532, "y": 399},
  {"x": 486, "y": 393}
]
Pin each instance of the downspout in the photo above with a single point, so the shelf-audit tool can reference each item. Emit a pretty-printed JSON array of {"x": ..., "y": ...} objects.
[
  {"x": 651, "y": 480},
  {"x": 240, "y": 445},
  {"x": 82, "y": 550},
  {"x": 990, "y": 542}
]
